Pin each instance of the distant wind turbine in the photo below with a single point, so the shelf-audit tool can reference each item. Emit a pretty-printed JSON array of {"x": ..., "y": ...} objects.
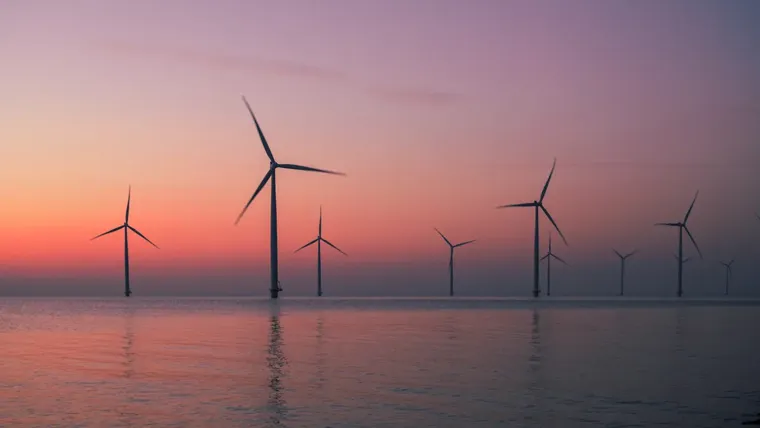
[
  {"x": 681, "y": 225},
  {"x": 729, "y": 273},
  {"x": 548, "y": 258},
  {"x": 319, "y": 240},
  {"x": 623, "y": 258},
  {"x": 127, "y": 227},
  {"x": 274, "y": 288},
  {"x": 539, "y": 204},
  {"x": 686, "y": 260},
  {"x": 451, "y": 259}
]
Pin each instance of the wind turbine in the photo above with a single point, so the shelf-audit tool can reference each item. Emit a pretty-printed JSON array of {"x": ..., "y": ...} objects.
[
  {"x": 319, "y": 240},
  {"x": 686, "y": 260},
  {"x": 127, "y": 227},
  {"x": 729, "y": 273},
  {"x": 681, "y": 225},
  {"x": 451, "y": 259},
  {"x": 539, "y": 204},
  {"x": 548, "y": 258},
  {"x": 623, "y": 258},
  {"x": 274, "y": 288}
]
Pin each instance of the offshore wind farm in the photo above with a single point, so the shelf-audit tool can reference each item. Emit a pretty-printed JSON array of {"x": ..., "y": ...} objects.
[{"x": 474, "y": 142}]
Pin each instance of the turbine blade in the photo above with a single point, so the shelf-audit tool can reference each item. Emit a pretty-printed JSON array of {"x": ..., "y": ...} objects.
[
  {"x": 464, "y": 243},
  {"x": 549, "y": 216},
  {"x": 328, "y": 243},
  {"x": 526, "y": 204},
  {"x": 546, "y": 186},
  {"x": 618, "y": 254},
  {"x": 631, "y": 253},
  {"x": 129, "y": 199},
  {"x": 311, "y": 242},
  {"x": 557, "y": 258},
  {"x": 258, "y": 128},
  {"x": 258, "y": 189},
  {"x": 693, "y": 241},
  {"x": 307, "y": 168},
  {"x": 688, "y": 213},
  {"x": 444, "y": 238},
  {"x": 544, "y": 257},
  {"x": 142, "y": 236},
  {"x": 106, "y": 233},
  {"x": 668, "y": 224},
  {"x": 320, "y": 221}
]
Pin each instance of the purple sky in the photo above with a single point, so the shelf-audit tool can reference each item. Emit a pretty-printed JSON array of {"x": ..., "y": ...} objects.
[{"x": 437, "y": 110}]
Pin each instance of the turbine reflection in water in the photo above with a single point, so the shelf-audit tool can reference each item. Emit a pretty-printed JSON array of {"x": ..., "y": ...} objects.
[
  {"x": 535, "y": 367},
  {"x": 127, "y": 416},
  {"x": 320, "y": 360},
  {"x": 276, "y": 362},
  {"x": 129, "y": 335}
]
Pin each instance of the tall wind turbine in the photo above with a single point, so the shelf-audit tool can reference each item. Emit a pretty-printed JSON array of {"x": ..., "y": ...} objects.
[
  {"x": 539, "y": 204},
  {"x": 274, "y": 288},
  {"x": 548, "y": 258},
  {"x": 681, "y": 225},
  {"x": 729, "y": 273},
  {"x": 127, "y": 227},
  {"x": 623, "y": 258},
  {"x": 319, "y": 240},
  {"x": 451, "y": 259}
]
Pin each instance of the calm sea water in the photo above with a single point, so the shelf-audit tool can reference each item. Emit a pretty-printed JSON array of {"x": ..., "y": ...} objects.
[{"x": 378, "y": 363}]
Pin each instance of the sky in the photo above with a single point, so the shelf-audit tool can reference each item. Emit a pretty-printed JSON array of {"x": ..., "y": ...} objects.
[{"x": 438, "y": 111}]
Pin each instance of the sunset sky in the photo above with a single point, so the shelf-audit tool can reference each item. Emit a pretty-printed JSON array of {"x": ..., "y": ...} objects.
[{"x": 437, "y": 110}]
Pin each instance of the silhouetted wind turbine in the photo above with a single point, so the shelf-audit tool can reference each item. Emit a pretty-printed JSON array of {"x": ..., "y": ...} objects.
[
  {"x": 274, "y": 288},
  {"x": 319, "y": 240},
  {"x": 127, "y": 227},
  {"x": 729, "y": 273},
  {"x": 684, "y": 261},
  {"x": 623, "y": 258},
  {"x": 539, "y": 204},
  {"x": 548, "y": 258},
  {"x": 681, "y": 225},
  {"x": 451, "y": 259}
]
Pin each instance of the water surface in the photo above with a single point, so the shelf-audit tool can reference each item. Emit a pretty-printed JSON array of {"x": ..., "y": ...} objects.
[{"x": 378, "y": 362}]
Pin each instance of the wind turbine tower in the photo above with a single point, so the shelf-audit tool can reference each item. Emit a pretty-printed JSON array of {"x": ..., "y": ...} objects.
[
  {"x": 681, "y": 225},
  {"x": 127, "y": 227},
  {"x": 623, "y": 259},
  {"x": 548, "y": 257},
  {"x": 539, "y": 205},
  {"x": 274, "y": 288},
  {"x": 729, "y": 274},
  {"x": 451, "y": 259},
  {"x": 319, "y": 240}
]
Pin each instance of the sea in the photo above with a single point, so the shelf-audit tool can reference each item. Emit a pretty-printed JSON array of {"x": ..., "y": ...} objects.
[{"x": 383, "y": 362}]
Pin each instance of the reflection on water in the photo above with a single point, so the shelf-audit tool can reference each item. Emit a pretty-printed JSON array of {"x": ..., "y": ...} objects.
[
  {"x": 129, "y": 337},
  {"x": 207, "y": 364},
  {"x": 320, "y": 356},
  {"x": 276, "y": 362}
]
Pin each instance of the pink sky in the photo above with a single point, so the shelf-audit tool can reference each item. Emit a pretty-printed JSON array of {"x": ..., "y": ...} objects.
[{"x": 438, "y": 111}]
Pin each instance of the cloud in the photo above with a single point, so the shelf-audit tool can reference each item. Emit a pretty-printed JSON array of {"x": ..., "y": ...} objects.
[
  {"x": 230, "y": 62},
  {"x": 281, "y": 68},
  {"x": 416, "y": 96}
]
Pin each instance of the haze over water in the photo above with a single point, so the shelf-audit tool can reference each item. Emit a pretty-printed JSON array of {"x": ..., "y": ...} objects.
[{"x": 377, "y": 362}]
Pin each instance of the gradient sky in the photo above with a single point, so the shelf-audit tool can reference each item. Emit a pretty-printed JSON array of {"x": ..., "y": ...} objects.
[{"x": 438, "y": 111}]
